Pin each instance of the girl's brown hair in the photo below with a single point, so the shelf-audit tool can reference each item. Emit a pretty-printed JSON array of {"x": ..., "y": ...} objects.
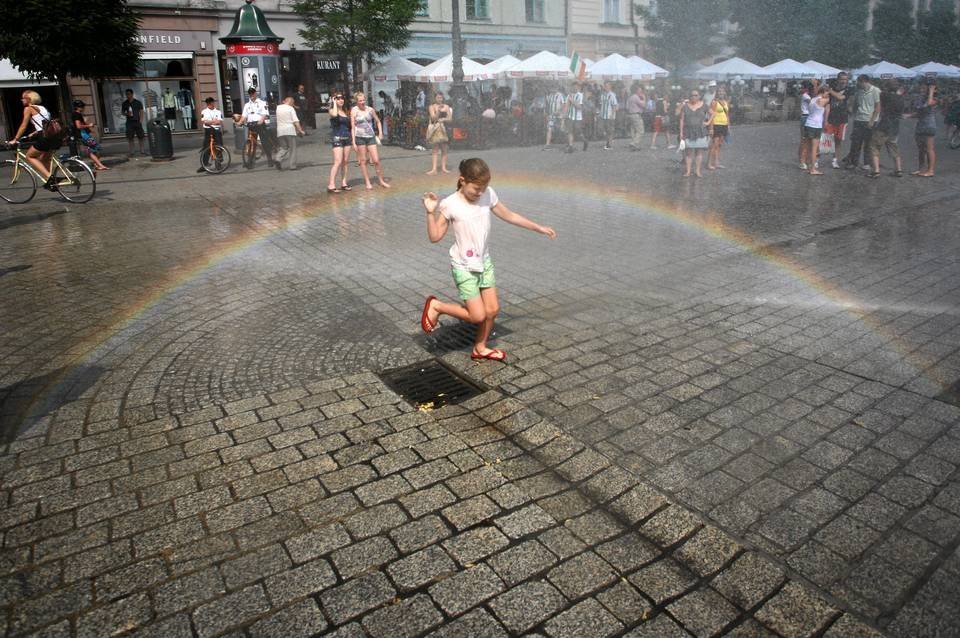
[{"x": 473, "y": 170}]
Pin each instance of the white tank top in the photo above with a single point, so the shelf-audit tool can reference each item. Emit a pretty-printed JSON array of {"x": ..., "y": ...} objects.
[
  {"x": 815, "y": 119},
  {"x": 39, "y": 118}
]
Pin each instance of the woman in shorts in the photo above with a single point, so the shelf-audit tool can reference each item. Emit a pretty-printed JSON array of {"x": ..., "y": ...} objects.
[
  {"x": 341, "y": 141},
  {"x": 926, "y": 132},
  {"x": 365, "y": 138},
  {"x": 719, "y": 127},
  {"x": 41, "y": 149},
  {"x": 819, "y": 112}
]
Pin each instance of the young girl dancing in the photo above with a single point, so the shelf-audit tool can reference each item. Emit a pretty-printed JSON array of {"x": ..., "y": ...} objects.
[{"x": 468, "y": 212}]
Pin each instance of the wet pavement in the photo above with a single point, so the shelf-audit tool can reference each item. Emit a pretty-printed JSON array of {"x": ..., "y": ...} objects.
[{"x": 730, "y": 404}]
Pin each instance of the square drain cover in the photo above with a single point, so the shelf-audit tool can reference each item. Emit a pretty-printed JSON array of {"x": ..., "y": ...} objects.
[{"x": 430, "y": 384}]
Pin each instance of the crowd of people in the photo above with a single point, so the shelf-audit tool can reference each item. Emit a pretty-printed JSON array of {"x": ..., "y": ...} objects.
[{"x": 826, "y": 110}]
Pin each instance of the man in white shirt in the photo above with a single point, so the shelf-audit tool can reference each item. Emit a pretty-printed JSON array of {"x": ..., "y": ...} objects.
[
  {"x": 288, "y": 128},
  {"x": 212, "y": 121},
  {"x": 255, "y": 116},
  {"x": 608, "y": 114},
  {"x": 555, "y": 104}
]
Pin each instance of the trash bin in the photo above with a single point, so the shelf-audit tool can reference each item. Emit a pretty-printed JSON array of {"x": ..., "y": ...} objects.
[
  {"x": 161, "y": 141},
  {"x": 239, "y": 136}
]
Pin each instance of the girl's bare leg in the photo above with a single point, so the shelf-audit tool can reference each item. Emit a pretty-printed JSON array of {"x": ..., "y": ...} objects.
[
  {"x": 931, "y": 156},
  {"x": 699, "y": 155},
  {"x": 491, "y": 306},
  {"x": 444, "y": 148},
  {"x": 375, "y": 158},
  {"x": 37, "y": 160},
  {"x": 687, "y": 161},
  {"x": 345, "y": 165},
  {"x": 362, "y": 158},
  {"x": 337, "y": 161},
  {"x": 433, "y": 157},
  {"x": 814, "y": 150}
]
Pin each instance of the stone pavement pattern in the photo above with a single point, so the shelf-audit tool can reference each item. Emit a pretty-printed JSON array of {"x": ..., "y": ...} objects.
[{"x": 726, "y": 408}]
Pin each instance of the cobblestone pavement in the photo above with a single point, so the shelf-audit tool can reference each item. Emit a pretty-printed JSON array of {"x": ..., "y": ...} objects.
[{"x": 730, "y": 404}]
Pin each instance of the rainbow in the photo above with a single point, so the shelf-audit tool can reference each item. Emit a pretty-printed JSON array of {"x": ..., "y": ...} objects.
[{"x": 97, "y": 344}]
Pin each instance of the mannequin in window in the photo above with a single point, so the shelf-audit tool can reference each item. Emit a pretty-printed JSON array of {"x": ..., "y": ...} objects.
[
  {"x": 185, "y": 102},
  {"x": 169, "y": 101}
]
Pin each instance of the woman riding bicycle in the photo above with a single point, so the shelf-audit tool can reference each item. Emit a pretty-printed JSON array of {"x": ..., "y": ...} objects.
[{"x": 41, "y": 148}]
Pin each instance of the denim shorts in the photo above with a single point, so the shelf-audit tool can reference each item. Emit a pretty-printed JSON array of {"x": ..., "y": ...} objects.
[
  {"x": 340, "y": 141},
  {"x": 470, "y": 283},
  {"x": 366, "y": 141}
]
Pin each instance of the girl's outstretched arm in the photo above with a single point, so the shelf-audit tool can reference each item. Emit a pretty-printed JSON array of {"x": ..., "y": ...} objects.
[
  {"x": 517, "y": 219},
  {"x": 437, "y": 224}
]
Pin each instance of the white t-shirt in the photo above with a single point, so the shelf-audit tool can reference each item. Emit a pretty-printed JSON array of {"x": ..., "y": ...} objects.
[
  {"x": 471, "y": 228},
  {"x": 252, "y": 111},
  {"x": 286, "y": 116},
  {"x": 210, "y": 115}
]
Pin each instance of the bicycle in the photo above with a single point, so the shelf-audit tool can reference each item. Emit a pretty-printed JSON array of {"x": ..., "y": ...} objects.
[
  {"x": 214, "y": 158},
  {"x": 955, "y": 138},
  {"x": 74, "y": 181},
  {"x": 250, "y": 149}
]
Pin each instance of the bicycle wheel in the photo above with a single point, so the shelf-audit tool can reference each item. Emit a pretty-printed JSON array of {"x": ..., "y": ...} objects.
[
  {"x": 955, "y": 139},
  {"x": 17, "y": 184},
  {"x": 76, "y": 183},
  {"x": 222, "y": 160}
]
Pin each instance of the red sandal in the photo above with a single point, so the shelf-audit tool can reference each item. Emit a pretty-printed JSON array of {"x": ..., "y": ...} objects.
[
  {"x": 493, "y": 355},
  {"x": 424, "y": 316}
]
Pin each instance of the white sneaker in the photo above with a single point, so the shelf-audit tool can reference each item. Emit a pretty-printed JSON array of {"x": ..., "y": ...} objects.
[
  {"x": 865, "y": 167},
  {"x": 803, "y": 166},
  {"x": 835, "y": 164}
]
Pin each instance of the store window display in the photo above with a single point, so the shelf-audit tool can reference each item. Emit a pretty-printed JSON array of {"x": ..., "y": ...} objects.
[{"x": 169, "y": 99}]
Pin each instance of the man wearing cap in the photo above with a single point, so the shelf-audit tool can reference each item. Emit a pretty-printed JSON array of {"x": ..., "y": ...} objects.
[
  {"x": 212, "y": 121},
  {"x": 255, "y": 116},
  {"x": 710, "y": 93}
]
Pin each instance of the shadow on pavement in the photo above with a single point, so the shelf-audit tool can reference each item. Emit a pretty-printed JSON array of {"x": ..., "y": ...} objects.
[
  {"x": 12, "y": 269},
  {"x": 25, "y": 403},
  {"x": 29, "y": 219}
]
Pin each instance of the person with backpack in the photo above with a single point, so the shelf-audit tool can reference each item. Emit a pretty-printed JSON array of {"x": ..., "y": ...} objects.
[{"x": 45, "y": 138}]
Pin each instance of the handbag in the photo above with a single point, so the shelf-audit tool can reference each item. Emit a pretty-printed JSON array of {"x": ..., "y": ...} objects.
[
  {"x": 826, "y": 143},
  {"x": 436, "y": 133}
]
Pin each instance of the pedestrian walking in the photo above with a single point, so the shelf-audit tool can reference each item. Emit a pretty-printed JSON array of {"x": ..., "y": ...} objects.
[
  {"x": 468, "y": 212},
  {"x": 608, "y": 114},
  {"x": 574, "y": 117},
  {"x": 841, "y": 97},
  {"x": 288, "y": 129},
  {"x": 437, "y": 136},
  {"x": 719, "y": 127},
  {"x": 806, "y": 94},
  {"x": 693, "y": 131},
  {"x": 132, "y": 110},
  {"x": 341, "y": 142},
  {"x": 555, "y": 104},
  {"x": 636, "y": 107},
  {"x": 926, "y": 131},
  {"x": 84, "y": 135},
  {"x": 887, "y": 129},
  {"x": 364, "y": 138},
  {"x": 815, "y": 125},
  {"x": 302, "y": 105},
  {"x": 866, "y": 110},
  {"x": 659, "y": 120}
]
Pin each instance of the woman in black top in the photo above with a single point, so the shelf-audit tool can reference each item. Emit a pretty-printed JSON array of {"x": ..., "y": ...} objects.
[
  {"x": 340, "y": 138},
  {"x": 84, "y": 135}
]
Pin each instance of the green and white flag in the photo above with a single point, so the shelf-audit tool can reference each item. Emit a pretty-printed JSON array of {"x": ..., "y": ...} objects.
[{"x": 577, "y": 66}]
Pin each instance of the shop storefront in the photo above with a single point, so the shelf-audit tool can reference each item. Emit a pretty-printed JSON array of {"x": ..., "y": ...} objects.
[{"x": 176, "y": 72}]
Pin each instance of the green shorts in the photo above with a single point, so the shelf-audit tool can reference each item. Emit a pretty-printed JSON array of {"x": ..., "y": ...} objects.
[{"x": 470, "y": 283}]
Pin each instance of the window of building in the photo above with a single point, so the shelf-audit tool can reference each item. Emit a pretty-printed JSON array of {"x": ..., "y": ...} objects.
[
  {"x": 478, "y": 9},
  {"x": 611, "y": 11},
  {"x": 424, "y": 9},
  {"x": 535, "y": 11}
]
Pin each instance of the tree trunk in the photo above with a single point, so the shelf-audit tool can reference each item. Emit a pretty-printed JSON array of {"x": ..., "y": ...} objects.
[{"x": 66, "y": 109}]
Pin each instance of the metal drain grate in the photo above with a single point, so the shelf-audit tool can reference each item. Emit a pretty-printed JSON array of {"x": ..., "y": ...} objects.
[
  {"x": 430, "y": 384},
  {"x": 951, "y": 395},
  {"x": 456, "y": 336}
]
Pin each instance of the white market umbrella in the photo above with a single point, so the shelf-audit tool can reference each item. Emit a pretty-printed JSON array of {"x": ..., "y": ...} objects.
[
  {"x": 442, "y": 71},
  {"x": 391, "y": 70},
  {"x": 648, "y": 68},
  {"x": 616, "y": 67},
  {"x": 734, "y": 67},
  {"x": 884, "y": 70},
  {"x": 824, "y": 70},
  {"x": 542, "y": 65},
  {"x": 789, "y": 69},
  {"x": 500, "y": 66},
  {"x": 936, "y": 69}
]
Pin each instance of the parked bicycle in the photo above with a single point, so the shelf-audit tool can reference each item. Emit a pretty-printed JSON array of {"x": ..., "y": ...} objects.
[
  {"x": 73, "y": 179},
  {"x": 214, "y": 158}
]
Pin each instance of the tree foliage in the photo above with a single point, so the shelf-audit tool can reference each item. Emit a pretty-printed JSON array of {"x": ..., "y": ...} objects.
[
  {"x": 683, "y": 31},
  {"x": 894, "y": 33},
  {"x": 825, "y": 30},
  {"x": 84, "y": 38},
  {"x": 356, "y": 28},
  {"x": 938, "y": 34}
]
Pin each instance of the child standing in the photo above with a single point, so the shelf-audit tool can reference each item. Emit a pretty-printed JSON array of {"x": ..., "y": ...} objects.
[{"x": 468, "y": 212}]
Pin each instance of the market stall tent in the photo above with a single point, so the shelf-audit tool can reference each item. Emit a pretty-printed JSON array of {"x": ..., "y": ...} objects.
[
  {"x": 732, "y": 68},
  {"x": 543, "y": 65},
  {"x": 884, "y": 70},
  {"x": 647, "y": 68},
  {"x": 616, "y": 67},
  {"x": 789, "y": 69},
  {"x": 441, "y": 71},
  {"x": 936, "y": 69},
  {"x": 823, "y": 70}
]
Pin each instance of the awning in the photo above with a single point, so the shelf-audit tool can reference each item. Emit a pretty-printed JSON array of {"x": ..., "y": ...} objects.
[
  {"x": 11, "y": 76},
  {"x": 162, "y": 55}
]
